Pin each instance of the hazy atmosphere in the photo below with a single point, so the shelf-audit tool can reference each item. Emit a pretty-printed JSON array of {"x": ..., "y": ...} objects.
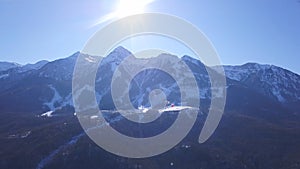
[
  {"x": 266, "y": 32},
  {"x": 137, "y": 84}
]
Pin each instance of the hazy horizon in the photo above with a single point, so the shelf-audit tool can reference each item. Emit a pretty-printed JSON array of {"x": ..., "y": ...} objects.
[{"x": 264, "y": 32}]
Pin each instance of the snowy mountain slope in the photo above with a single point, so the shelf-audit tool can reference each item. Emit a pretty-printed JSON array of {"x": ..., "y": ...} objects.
[
  {"x": 34, "y": 66},
  {"x": 275, "y": 82},
  {"x": 256, "y": 130},
  {"x": 16, "y": 72},
  {"x": 4, "y": 66},
  {"x": 7, "y": 65},
  {"x": 48, "y": 85}
]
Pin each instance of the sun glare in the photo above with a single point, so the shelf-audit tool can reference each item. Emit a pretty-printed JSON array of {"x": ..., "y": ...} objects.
[
  {"x": 126, "y": 8},
  {"x": 131, "y": 7}
]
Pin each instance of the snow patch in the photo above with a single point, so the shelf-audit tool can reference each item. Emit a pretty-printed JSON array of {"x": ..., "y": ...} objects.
[
  {"x": 47, "y": 114},
  {"x": 174, "y": 108},
  {"x": 19, "y": 135},
  {"x": 56, "y": 98},
  {"x": 90, "y": 59},
  {"x": 4, "y": 76}
]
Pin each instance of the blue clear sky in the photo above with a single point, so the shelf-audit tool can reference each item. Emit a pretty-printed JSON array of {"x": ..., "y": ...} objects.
[{"x": 263, "y": 31}]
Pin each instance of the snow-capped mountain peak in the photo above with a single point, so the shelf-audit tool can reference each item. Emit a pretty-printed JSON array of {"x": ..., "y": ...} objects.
[
  {"x": 273, "y": 81},
  {"x": 270, "y": 81},
  {"x": 118, "y": 53}
]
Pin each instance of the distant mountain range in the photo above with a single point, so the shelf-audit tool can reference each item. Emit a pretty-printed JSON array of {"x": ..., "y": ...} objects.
[
  {"x": 47, "y": 85},
  {"x": 22, "y": 68},
  {"x": 259, "y": 128}
]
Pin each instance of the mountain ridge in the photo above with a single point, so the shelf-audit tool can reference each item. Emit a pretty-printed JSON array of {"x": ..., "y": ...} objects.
[
  {"x": 256, "y": 129},
  {"x": 56, "y": 77}
]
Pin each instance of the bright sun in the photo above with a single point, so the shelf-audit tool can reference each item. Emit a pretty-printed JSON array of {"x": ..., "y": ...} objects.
[
  {"x": 131, "y": 7},
  {"x": 125, "y": 8}
]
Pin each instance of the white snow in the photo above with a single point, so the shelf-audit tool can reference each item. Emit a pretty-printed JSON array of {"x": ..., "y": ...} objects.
[
  {"x": 47, "y": 114},
  {"x": 274, "y": 81},
  {"x": 241, "y": 72},
  {"x": 19, "y": 135},
  {"x": 56, "y": 98},
  {"x": 94, "y": 117},
  {"x": 143, "y": 109},
  {"x": 4, "y": 76},
  {"x": 174, "y": 108},
  {"x": 26, "y": 134},
  {"x": 90, "y": 59},
  {"x": 277, "y": 94},
  {"x": 48, "y": 159}
]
